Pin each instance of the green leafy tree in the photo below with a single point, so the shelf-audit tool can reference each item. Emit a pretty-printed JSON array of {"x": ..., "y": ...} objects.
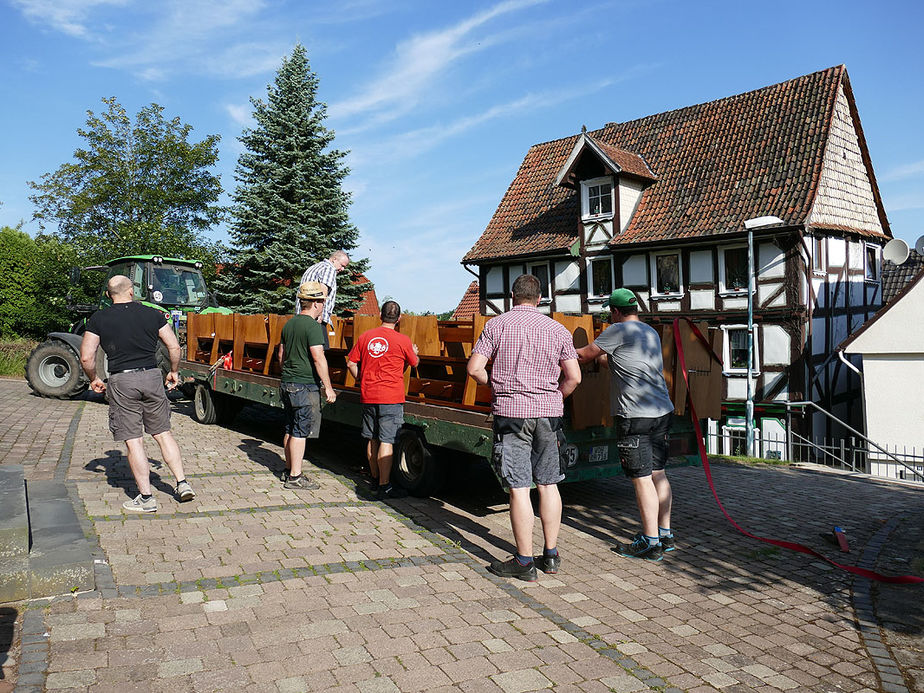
[
  {"x": 34, "y": 284},
  {"x": 136, "y": 187},
  {"x": 290, "y": 209}
]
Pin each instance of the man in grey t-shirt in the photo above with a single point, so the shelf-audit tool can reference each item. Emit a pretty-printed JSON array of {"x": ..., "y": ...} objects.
[{"x": 642, "y": 411}]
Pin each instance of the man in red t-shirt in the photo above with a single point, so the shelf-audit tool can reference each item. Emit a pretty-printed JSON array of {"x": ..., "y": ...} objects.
[{"x": 377, "y": 360}]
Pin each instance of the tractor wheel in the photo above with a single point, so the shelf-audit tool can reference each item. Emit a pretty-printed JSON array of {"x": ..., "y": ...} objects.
[
  {"x": 162, "y": 358},
  {"x": 204, "y": 405},
  {"x": 53, "y": 370},
  {"x": 415, "y": 467}
]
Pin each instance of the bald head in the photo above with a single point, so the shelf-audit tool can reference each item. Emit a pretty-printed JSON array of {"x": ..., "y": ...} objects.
[{"x": 120, "y": 288}]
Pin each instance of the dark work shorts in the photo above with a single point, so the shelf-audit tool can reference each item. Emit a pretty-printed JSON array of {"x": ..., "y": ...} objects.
[
  {"x": 302, "y": 404},
  {"x": 643, "y": 444},
  {"x": 526, "y": 451},
  {"x": 382, "y": 422},
  {"x": 137, "y": 404}
]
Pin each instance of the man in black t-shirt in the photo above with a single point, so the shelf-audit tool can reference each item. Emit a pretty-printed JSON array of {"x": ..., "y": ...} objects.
[{"x": 128, "y": 332}]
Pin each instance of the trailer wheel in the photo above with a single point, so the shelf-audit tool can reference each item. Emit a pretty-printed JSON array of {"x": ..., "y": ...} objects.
[
  {"x": 415, "y": 467},
  {"x": 204, "y": 405},
  {"x": 54, "y": 371}
]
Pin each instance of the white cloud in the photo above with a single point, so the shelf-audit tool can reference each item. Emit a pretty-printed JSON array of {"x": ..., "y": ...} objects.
[
  {"x": 67, "y": 16},
  {"x": 415, "y": 142},
  {"x": 241, "y": 114},
  {"x": 418, "y": 63},
  {"x": 911, "y": 170}
]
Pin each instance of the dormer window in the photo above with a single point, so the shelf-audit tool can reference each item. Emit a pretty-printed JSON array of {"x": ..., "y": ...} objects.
[{"x": 597, "y": 198}]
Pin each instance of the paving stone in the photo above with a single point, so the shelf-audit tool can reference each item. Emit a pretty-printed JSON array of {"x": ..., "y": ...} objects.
[{"x": 521, "y": 681}]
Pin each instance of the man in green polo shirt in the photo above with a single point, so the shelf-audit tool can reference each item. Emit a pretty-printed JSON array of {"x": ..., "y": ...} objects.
[{"x": 304, "y": 370}]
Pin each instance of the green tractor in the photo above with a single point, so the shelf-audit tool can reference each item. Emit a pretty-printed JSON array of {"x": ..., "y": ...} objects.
[{"x": 173, "y": 286}]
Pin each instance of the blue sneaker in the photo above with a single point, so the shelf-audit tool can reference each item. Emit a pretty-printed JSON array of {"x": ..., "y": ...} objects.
[{"x": 640, "y": 548}]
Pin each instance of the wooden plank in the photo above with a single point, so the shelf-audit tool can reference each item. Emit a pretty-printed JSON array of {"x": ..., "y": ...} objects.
[
  {"x": 422, "y": 330},
  {"x": 223, "y": 324},
  {"x": 250, "y": 331}
]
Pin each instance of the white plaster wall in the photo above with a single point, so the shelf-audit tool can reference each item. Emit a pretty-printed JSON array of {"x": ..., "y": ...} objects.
[
  {"x": 488, "y": 310},
  {"x": 765, "y": 291},
  {"x": 819, "y": 332},
  {"x": 515, "y": 271},
  {"x": 642, "y": 296},
  {"x": 898, "y": 330},
  {"x": 702, "y": 299},
  {"x": 570, "y": 303},
  {"x": 735, "y": 303},
  {"x": 494, "y": 280},
  {"x": 737, "y": 387},
  {"x": 630, "y": 193},
  {"x": 634, "y": 271},
  {"x": 701, "y": 267},
  {"x": 598, "y": 233},
  {"x": 818, "y": 288},
  {"x": 567, "y": 275},
  {"x": 771, "y": 261},
  {"x": 776, "y": 345},
  {"x": 855, "y": 256},
  {"x": 837, "y": 252},
  {"x": 667, "y": 306}
]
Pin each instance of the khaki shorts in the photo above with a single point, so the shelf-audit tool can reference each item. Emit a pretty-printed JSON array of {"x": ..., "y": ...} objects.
[{"x": 137, "y": 404}]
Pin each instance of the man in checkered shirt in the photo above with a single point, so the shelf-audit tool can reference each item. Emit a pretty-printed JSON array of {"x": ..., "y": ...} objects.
[
  {"x": 325, "y": 272},
  {"x": 535, "y": 367}
]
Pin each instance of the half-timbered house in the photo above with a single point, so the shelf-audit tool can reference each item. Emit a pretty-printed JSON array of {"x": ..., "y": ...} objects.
[{"x": 658, "y": 205}]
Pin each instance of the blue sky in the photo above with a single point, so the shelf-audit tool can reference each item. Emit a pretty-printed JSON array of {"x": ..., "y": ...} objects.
[{"x": 439, "y": 101}]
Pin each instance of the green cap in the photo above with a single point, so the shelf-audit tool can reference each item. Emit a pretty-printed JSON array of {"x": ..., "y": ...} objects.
[{"x": 622, "y": 298}]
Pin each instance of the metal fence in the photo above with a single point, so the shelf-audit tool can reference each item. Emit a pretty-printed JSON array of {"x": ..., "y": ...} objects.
[{"x": 850, "y": 454}]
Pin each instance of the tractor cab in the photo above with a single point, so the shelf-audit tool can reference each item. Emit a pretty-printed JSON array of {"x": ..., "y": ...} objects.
[{"x": 167, "y": 284}]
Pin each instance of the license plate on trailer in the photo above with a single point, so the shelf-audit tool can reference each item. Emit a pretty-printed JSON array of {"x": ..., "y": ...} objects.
[{"x": 599, "y": 453}]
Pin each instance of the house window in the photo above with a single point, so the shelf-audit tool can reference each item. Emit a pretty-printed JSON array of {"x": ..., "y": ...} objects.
[
  {"x": 666, "y": 274},
  {"x": 600, "y": 274},
  {"x": 735, "y": 351},
  {"x": 597, "y": 198},
  {"x": 872, "y": 255},
  {"x": 733, "y": 269},
  {"x": 819, "y": 264},
  {"x": 541, "y": 272}
]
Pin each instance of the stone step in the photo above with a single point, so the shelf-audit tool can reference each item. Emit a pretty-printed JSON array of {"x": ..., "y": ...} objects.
[
  {"x": 59, "y": 560},
  {"x": 14, "y": 518}
]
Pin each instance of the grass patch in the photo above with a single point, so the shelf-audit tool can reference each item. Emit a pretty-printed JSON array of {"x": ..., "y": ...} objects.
[
  {"x": 13, "y": 355},
  {"x": 743, "y": 459}
]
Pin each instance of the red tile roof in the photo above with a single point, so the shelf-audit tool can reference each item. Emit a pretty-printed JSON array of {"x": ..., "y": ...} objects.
[
  {"x": 369, "y": 303},
  {"x": 469, "y": 305},
  {"x": 717, "y": 164}
]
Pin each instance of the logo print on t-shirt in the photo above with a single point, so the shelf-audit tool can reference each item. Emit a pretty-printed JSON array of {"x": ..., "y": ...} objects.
[{"x": 377, "y": 347}]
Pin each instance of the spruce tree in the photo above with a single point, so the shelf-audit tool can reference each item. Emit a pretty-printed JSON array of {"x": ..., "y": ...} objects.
[{"x": 290, "y": 209}]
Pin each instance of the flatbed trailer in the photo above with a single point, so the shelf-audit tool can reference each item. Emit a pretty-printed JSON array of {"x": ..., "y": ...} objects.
[{"x": 444, "y": 410}]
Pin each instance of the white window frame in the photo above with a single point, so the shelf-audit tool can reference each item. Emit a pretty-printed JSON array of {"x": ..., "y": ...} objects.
[
  {"x": 653, "y": 263},
  {"x": 724, "y": 290},
  {"x": 819, "y": 255},
  {"x": 591, "y": 294},
  {"x": 585, "y": 198},
  {"x": 867, "y": 246},
  {"x": 727, "y": 368},
  {"x": 726, "y": 437},
  {"x": 545, "y": 291}
]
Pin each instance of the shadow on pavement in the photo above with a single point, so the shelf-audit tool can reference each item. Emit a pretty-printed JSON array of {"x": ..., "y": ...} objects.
[
  {"x": 118, "y": 473},
  {"x": 8, "y": 617}
]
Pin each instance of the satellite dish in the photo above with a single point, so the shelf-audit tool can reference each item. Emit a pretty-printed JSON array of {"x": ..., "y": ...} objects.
[
  {"x": 919, "y": 245},
  {"x": 895, "y": 251}
]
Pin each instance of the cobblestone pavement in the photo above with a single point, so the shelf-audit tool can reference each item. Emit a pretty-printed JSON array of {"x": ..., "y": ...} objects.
[{"x": 254, "y": 587}]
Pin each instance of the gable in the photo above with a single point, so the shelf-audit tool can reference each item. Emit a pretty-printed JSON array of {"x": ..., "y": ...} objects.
[
  {"x": 897, "y": 328},
  {"x": 845, "y": 196}
]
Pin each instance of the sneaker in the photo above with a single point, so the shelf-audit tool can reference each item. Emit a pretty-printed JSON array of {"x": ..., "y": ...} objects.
[
  {"x": 136, "y": 505},
  {"x": 640, "y": 548},
  {"x": 513, "y": 569},
  {"x": 667, "y": 543},
  {"x": 184, "y": 492},
  {"x": 301, "y": 483},
  {"x": 390, "y": 492},
  {"x": 548, "y": 564}
]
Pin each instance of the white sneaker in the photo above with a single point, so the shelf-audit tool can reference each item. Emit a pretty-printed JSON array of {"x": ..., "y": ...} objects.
[
  {"x": 137, "y": 505},
  {"x": 184, "y": 492}
]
